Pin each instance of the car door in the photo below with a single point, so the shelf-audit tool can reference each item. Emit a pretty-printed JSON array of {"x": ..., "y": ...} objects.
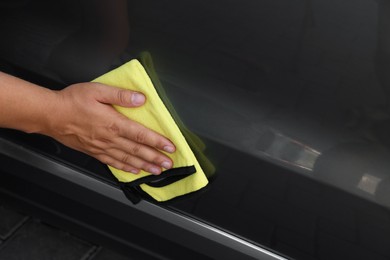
[{"x": 290, "y": 99}]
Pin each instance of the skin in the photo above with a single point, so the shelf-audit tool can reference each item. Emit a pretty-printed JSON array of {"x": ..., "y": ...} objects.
[{"x": 82, "y": 117}]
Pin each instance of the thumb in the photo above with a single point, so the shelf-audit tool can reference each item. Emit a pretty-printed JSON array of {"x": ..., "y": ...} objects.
[{"x": 121, "y": 97}]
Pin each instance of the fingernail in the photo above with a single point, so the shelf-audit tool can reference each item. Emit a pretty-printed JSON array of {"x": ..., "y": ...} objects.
[
  {"x": 169, "y": 149},
  {"x": 166, "y": 165},
  {"x": 137, "y": 99},
  {"x": 134, "y": 171},
  {"x": 154, "y": 170}
]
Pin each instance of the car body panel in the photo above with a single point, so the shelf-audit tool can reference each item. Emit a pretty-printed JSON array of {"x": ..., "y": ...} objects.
[{"x": 289, "y": 97}]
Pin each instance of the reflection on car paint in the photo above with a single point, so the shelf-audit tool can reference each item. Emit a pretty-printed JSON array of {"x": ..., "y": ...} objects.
[
  {"x": 369, "y": 183},
  {"x": 277, "y": 88},
  {"x": 287, "y": 150}
]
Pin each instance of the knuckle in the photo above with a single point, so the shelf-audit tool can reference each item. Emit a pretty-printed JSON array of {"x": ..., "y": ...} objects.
[
  {"x": 136, "y": 149},
  {"x": 121, "y": 96},
  {"x": 141, "y": 136},
  {"x": 113, "y": 128},
  {"x": 125, "y": 158},
  {"x": 146, "y": 166},
  {"x": 157, "y": 160}
]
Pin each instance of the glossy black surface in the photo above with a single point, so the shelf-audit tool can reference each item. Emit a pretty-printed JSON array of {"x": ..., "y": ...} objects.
[{"x": 290, "y": 97}]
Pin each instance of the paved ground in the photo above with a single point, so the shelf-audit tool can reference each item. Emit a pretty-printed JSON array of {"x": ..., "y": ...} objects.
[{"x": 24, "y": 237}]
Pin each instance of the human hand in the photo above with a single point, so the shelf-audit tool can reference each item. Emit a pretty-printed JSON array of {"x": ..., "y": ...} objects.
[{"x": 85, "y": 120}]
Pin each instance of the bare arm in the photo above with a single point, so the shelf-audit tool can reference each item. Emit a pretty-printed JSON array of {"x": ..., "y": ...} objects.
[{"x": 81, "y": 117}]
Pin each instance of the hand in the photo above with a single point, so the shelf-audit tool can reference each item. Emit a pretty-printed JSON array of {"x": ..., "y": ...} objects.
[{"x": 85, "y": 120}]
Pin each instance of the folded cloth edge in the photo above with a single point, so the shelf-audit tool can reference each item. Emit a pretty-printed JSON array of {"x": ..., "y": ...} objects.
[{"x": 187, "y": 185}]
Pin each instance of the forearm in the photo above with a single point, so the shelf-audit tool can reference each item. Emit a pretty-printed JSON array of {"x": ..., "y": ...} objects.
[
  {"x": 24, "y": 106},
  {"x": 82, "y": 117}
]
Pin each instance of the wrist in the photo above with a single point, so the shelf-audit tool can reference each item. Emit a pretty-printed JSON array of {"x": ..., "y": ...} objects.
[
  {"x": 47, "y": 120},
  {"x": 25, "y": 106},
  {"x": 43, "y": 112}
]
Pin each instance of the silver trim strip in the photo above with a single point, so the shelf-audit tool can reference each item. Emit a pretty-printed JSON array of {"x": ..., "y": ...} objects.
[{"x": 62, "y": 171}]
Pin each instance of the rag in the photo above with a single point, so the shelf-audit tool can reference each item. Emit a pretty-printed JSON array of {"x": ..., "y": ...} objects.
[{"x": 187, "y": 176}]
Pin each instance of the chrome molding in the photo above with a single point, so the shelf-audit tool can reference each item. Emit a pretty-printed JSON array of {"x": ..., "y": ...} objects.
[{"x": 69, "y": 174}]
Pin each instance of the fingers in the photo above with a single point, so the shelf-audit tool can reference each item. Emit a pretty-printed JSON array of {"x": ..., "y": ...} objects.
[
  {"x": 142, "y": 135},
  {"x": 141, "y": 147},
  {"x": 130, "y": 146},
  {"x": 141, "y": 156},
  {"x": 132, "y": 163},
  {"x": 119, "y": 96}
]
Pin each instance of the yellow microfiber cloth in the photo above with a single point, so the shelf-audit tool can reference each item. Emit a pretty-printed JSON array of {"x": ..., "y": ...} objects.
[{"x": 187, "y": 176}]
